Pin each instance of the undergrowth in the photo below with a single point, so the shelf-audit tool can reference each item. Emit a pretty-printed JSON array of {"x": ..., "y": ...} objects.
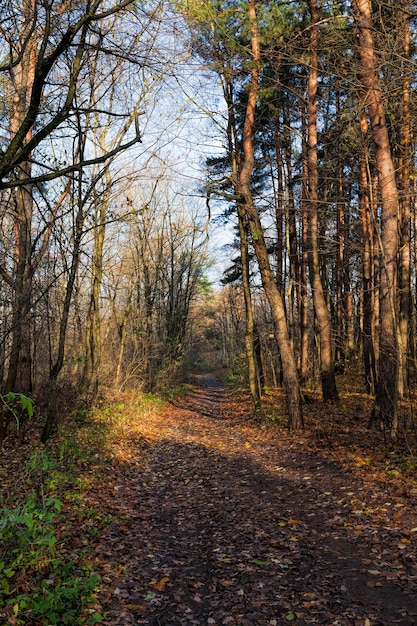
[{"x": 47, "y": 524}]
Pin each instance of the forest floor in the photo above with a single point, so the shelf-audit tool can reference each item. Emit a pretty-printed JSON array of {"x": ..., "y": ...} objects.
[
  {"x": 212, "y": 518},
  {"x": 230, "y": 523}
]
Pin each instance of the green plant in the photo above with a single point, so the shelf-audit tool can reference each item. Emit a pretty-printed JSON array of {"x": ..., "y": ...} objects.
[
  {"x": 26, "y": 538},
  {"x": 177, "y": 392},
  {"x": 17, "y": 405},
  {"x": 55, "y": 589},
  {"x": 232, "y": 377},
  {"x": 206, "y": 367},
  {"x": 10, "y": 402}
]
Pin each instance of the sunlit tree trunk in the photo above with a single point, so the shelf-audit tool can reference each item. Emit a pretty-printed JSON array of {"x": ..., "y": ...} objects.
[
  {"x": 289, "y": 368},
  {"x": 385, "y": 409},
  {"x": 122, "y": 334},
  {"x": 404, "y": 208},
  {"x": 234, "y": 153}
]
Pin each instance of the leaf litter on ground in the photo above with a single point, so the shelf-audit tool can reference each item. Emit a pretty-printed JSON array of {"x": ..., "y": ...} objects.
[{"x": 209, "y": 516}]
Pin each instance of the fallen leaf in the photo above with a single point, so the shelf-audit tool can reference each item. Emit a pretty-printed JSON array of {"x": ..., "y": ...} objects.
[
  {"x": 161, "y": 584},
  {"x": 150, "y": 596}
]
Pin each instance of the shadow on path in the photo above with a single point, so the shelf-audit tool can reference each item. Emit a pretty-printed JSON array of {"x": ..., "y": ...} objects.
[{"x": 226, "y": 531}]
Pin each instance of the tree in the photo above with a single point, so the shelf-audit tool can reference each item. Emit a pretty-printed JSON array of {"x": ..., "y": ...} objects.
[
  {"x": 386, "y": 400},
  {"x": 153, "y": 283},
  {"x": 43, "y": 45},
  {"x": 289, "y": 368},
  {"x": 328, "y": 380},
  {"x": 229, "y": 59},
  {"x": 42, "y": 40}
]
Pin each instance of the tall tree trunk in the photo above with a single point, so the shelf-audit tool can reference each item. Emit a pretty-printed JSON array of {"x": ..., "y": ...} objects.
[
  {"x": 53, "y": 408},
  {"x": 121, "y": 326},
  {"x": 289, "y": 368},
  {"x": 328, "y": 380},
  {"x": 92, "y": 364},
  {"x": 250, "y": 322},
  {"x": 294, "y": 283},
  {"x": 234, "y": 153},
  {"x": 304, "y": 308},
  {"x": 340, "y": 317},
  {"x": 19, "y": 373},
  {"x": 367, "y": 264},
  {"x": 279, "y": 210},
  {"x": 404, "y": 206},
  {"x": 385, "y": 410}
]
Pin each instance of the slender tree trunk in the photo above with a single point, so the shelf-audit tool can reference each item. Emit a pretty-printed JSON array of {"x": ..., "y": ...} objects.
[
  {"x": 340, "y": 317},
  {"x": 92, "y": 365},
  {"x": 53, "y": 409},
  {"x": 304, "y": 308},
  {"x": 367, "y": 265},
  {"x": 289, "y": 368},
  {"x": 347, "y": 290},
  {"x": 404, "y": 205},
  {"x": 294, "y": 283},
  {"x": 376, "y": 267},
  {"x": 385, "y": 409},
  {"x": 250, "y": 322},
  {"x": 328, "y": 380},
  {"x": 279, "y": 211},
  {"x": 123, "y": 338},
  {"x": 234, "y": 152}
]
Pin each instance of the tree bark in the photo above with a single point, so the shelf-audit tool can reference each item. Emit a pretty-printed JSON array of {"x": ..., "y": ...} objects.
[
  {"x": 304, "y": 299},
  {"x": 289, "y": 368},
  {"x": 385, "y": 410},
  {"x": 404, "y": 146},
  {"x": 234, "y": 153},
  {"x": 367, "y": 263},
  {"x": 22, "y": 76},
  {"x": 328, "y": 380}
]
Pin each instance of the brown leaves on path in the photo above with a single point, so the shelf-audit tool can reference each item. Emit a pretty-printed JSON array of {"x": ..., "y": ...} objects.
[{"x": 226, "y": 522}]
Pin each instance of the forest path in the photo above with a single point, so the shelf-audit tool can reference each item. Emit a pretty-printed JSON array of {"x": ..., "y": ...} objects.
[{"x": 226, "y": 523}]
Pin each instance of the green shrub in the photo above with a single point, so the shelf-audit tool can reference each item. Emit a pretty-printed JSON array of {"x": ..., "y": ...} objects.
[{"x": 54, "y": 589}]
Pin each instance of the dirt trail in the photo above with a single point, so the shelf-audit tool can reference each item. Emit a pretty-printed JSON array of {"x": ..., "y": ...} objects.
[{"x": 227, "y": 525}]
